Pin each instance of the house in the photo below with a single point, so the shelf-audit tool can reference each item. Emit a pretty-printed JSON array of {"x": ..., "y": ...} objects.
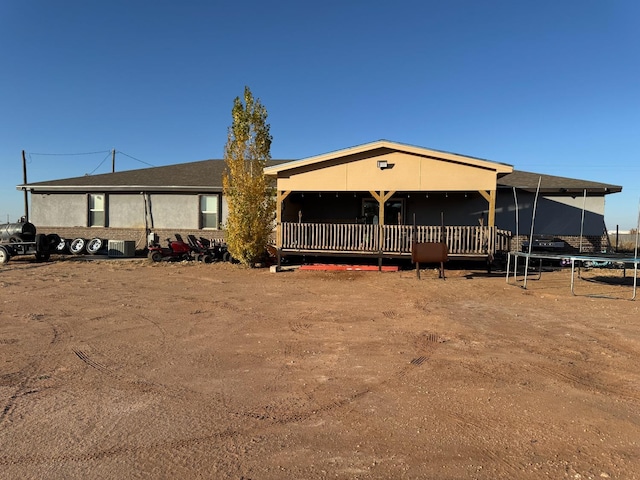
[{"x": 369, "y": 200}]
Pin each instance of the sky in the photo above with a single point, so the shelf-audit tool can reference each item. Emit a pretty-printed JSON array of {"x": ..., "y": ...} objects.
[{"x": 547, "y": 86}]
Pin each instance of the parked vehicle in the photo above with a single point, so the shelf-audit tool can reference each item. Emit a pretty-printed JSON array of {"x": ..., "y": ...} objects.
[
  {"x": 176, "y": 250},
  {"x": 22, "y": 239}
]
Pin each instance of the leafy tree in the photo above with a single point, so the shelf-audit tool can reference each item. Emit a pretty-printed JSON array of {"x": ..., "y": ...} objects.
[{"x": 250, "y": 197}]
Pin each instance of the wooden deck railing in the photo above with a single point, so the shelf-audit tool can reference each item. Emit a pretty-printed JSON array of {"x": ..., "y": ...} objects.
[{"x": 390, "y": 239}]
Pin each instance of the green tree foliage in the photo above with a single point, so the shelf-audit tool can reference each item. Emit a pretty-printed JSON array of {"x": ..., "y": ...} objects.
[{"x": 249, "y": 194}]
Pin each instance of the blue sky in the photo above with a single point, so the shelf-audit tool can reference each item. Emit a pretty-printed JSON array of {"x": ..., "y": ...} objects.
[{"x": 547, "y": 86}]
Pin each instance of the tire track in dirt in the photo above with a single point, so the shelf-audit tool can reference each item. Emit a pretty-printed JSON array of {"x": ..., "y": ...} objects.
[
  {"x": 35, "y": 458},
  {"x": 106, "y": 365},
  {"x": 477, "y": 432},
  {"x": 89, "y": 361},
  {"x": 25, "y": 378},
  {"x": 424, "y": 343},
  {"x": 569, "y": 369},
  {"x": 585, "y": 382}
]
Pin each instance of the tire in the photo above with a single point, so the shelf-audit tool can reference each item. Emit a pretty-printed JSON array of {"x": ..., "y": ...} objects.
[
  {"x": 4, "y": 255},
  {"x": 226, "y": 257},
  {"x": 62, "y": 246},
  {"x": 155, "y": 256},
  {"x": 42, "y": 243},
  {"x": 53, "y": 239},
  {"x": 77, "y": 246},
  {"x": 94, "y": 245},
  {"x": 206, "y": 258}
]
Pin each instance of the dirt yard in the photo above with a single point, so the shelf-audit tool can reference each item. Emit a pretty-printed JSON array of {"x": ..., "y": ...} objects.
[{"x": 125, "y": 369}]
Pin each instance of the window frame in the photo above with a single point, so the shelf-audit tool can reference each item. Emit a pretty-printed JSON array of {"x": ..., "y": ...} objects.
[
  {"x": 202, "y": 212},
  {"x": 90, "y": 211}
]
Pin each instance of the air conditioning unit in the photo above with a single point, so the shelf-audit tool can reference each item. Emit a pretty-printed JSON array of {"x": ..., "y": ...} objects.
[{"x": 121, "y": 248}]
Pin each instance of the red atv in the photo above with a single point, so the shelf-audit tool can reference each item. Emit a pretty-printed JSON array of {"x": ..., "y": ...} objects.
[{"x": 177, "y": 250}]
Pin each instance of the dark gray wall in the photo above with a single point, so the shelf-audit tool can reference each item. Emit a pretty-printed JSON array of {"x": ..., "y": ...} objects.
[{"x": 555, "y": 215}]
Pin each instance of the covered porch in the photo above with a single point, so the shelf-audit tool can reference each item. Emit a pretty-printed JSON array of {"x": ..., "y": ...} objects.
[
  {"x": 377, "y": 199},
  {"x": 386, "y": 224}
]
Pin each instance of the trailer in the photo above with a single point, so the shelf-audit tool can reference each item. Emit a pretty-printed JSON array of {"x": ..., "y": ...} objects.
[{"x": 22, "y": 239}]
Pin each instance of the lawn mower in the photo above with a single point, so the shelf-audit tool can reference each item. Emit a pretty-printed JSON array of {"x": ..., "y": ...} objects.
[
  {"x": 209, "y": 250},
  {"x": 176, "y": 250}
]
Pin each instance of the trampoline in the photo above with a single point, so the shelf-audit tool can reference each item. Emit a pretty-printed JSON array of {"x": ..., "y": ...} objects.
[{"x": 576, "y": 260}]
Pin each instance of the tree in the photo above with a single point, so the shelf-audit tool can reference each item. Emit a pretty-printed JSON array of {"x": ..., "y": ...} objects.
[{"x": 249, "y": 195}]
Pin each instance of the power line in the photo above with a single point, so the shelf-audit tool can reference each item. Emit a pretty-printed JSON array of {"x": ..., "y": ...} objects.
[
  {"x": 108, "y": 152},
  {"x": 70, "y": 154},
  {"x": 99, "y": 165},
  {"x": 134, "y": 158}
]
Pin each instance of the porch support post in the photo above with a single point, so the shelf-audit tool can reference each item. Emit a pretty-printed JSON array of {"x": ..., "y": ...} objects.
[
  {"x": 490, "y": 197},
  {"x": 280, "y": 196},
  {"x": 381, "y": 197}
]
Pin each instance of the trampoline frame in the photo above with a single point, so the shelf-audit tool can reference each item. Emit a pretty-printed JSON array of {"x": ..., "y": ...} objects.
[{"x": 576, "y": 264}]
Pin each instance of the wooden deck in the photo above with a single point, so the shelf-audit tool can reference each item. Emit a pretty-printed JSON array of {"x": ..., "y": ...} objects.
[{"x": 389, "y": 240}]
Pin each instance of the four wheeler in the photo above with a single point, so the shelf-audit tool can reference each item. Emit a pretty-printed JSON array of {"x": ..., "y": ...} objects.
[{"x": 176, "y": 250}]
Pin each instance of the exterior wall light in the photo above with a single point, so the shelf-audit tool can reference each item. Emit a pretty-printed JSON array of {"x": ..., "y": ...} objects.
[{"x": 382, "y": 164}]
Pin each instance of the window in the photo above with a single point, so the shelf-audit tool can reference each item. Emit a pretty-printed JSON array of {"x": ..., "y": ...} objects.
[
  {"x": 97, "y": 204},
  {"x": 209, "y": 211},
  {"x": 393, "y": 211}
]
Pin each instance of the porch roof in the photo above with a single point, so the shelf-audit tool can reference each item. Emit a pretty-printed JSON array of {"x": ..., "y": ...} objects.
[{"x": 552, "y": 184}]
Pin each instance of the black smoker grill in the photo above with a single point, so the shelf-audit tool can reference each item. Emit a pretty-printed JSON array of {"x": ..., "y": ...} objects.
[{"x": 544, "y": 243}]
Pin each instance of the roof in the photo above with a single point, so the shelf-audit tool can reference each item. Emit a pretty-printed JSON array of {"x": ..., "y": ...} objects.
[
  {"x": 204, "y": 175},
  {"x": 550, "y": 184},
  {"x": 391, "y": 146}
]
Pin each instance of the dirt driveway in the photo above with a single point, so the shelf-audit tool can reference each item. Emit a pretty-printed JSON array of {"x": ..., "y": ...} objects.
[{"x": 125, "y": 369}]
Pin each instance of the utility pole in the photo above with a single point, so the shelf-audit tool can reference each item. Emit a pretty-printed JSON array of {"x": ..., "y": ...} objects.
[
  {"x": 113, "y": 161},
  {"x": 24, "y": 182}
]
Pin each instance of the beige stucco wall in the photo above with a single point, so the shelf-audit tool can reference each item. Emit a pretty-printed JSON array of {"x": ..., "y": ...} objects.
[
  {"x": 64, "y": 210},
  {"x": 406, "y": 172},
  {"x": 126, "y": 211},
  {"x": 174, "y": 211}
]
